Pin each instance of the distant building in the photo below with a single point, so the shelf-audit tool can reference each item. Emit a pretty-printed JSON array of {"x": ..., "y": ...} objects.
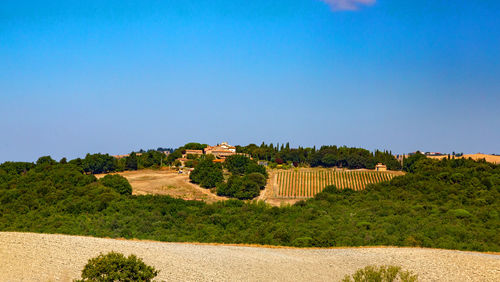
[
  {"x": 192, "y": 152},
  {"x": 124, "y": 156},
  {"x": 380, "y": 167},
  {"x": 222, "y": 150}
]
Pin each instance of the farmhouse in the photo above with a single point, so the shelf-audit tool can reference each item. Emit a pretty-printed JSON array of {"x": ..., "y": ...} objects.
[
  {"x": 222, "y": 150},
  {"x": 222, "y": 147},
  {"x": 380, "y": 167},
  {"x": 192, "y": 152},
  {"x": 219, "y": 151}
]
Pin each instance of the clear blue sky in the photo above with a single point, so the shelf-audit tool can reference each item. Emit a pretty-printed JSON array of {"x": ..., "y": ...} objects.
[{"x": 116, "y": 76}]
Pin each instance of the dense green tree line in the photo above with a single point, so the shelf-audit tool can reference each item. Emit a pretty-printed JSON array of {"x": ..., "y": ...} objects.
[
  {"x": 450, "y": 204},
  {"x": 104, "y": 163},
  {"x": 326, "y": 156}
]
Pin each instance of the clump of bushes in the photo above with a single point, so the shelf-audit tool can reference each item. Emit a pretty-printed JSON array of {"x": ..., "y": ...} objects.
[
  {"x": 387, "y": 273},
  {"x": 207, "y": 173},
  {"x": 241, "y": 187},
  {"x": 247, "y": 178},
  {"x": 119, "y": 183},
  {"x": 116, "y": 267}
]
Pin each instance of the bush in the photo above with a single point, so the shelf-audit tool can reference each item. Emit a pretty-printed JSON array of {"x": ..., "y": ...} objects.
[
  {"x": 460, "y": 213},
  {"x": 258, "y": 178},
  {"x": 119, "y": 183},
  {"x": 116, "y": 267},
  {"x": 98, "y": 163},
  {"x": 239, "y": 187},
  {"x": 382, "y": 273},
  {"x": 207, "y": 173}
]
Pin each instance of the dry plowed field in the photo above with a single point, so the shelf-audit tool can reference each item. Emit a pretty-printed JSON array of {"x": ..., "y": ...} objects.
[
  {"x": 43, "y": 257},
  {"x": 166, "y": 182},
  {"x": 307, "y": 183}
]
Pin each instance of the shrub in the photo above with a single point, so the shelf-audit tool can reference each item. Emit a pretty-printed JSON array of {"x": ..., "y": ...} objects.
[
  {"x": 460, "y": 213},
  {"x": 119, "y": 183},
  {"x": 239, "y": 187},
  {"x": 258, "y": 178},
  {"x": 116, "y": 267},
  {"x": 387, "y": 273},
  {"x": 207, "y": 173}
]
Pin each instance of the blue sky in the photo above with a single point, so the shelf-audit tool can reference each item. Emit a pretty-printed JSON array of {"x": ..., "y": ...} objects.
[{"x": 116, "y": 76}]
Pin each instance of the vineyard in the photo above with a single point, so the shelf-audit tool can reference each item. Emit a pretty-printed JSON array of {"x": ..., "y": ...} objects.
[{"x": 306, "y": 184}]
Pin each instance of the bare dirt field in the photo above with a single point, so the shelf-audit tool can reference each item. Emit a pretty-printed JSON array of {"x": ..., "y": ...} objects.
[
  {"x": 166, "y": 182},
  {"x": 44, "y": 257},
  {"x": 489, "y": 158}
]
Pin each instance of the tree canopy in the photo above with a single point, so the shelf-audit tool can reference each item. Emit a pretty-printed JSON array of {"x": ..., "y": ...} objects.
[
  {"x": 451, "y": 204},
  {"x": 207, "y": 173}
]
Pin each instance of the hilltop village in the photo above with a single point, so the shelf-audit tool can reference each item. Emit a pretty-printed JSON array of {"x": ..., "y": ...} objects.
[{"x": 220, "y": 152}]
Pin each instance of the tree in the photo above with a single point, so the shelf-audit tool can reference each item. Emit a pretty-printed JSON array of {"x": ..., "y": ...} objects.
[
  {"x": 98, "y": 163},
  {"x": 237, "y": 164},
  {"x": 257, "y": 178},
  {"x": 329, "y": 160},
  {"x": 116, "y": 267},
  {"x": 131, "y": 162},
  {"x": 45, "y": 160},
  {"x": 409, "y": 164},
  {"x": 239, "y": 187},
  {"x": 119, "y": 183},
  {"x": 207, "y": 173}
]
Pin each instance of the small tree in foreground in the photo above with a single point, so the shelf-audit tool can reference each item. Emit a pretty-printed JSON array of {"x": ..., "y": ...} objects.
[
  {"x": 386, "y": 273},
  {"x": 116, "y": 267}
]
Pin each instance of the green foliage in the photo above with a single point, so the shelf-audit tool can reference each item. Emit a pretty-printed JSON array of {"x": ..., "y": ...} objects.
[
  {"x": 239, "y": 187},
  {"x": 247, "y": 179},
  {"x": 424, "y": 208},
  {"x": 326, "y": 156},
  {"x": 151, "y": 158},
  {"x": 257, "y": 178},
  {"x": 16, "y": 167},
  {"x": 119, "y": 183},
  {"x": 116, "y": 267},
  {"x": 131, "y": 162},
  {"x": 388, "y": 273},
  {"x": 98, "y": 163},
  {"x": 45, "y": 160},
  {"x": 409, "y": 163},
  {"x": 194, "y": 146},
  {"x": 207, "y": 173},
  {"x": 460, "y": 213},
  {"x": 237, "y": 164}
]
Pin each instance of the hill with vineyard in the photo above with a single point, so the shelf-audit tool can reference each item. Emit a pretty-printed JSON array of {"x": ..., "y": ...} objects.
[{"x": 305, "y": 183}]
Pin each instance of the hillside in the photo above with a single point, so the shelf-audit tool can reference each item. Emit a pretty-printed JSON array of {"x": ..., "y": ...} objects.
[
  {"x": 166, "y": 182},
  {"x": 489, "y": 158},
  {"x": 305, "y": 183},
  {"x": 43, "y": 257},
  {"x": 449, "y": 204}
]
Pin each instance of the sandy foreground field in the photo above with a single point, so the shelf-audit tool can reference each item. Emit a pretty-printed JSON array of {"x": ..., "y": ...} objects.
[{"x": 44, "y": 257}]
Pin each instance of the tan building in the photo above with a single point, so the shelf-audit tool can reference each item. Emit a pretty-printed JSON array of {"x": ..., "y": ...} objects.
[
  {"x": 222, "y": 150},
  {"x": 192, "y": 152},
  {"x": 380, "y": 167}
]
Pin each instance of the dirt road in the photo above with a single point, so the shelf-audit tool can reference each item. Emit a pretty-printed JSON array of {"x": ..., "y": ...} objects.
[{"x": 43, "y": 257}]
